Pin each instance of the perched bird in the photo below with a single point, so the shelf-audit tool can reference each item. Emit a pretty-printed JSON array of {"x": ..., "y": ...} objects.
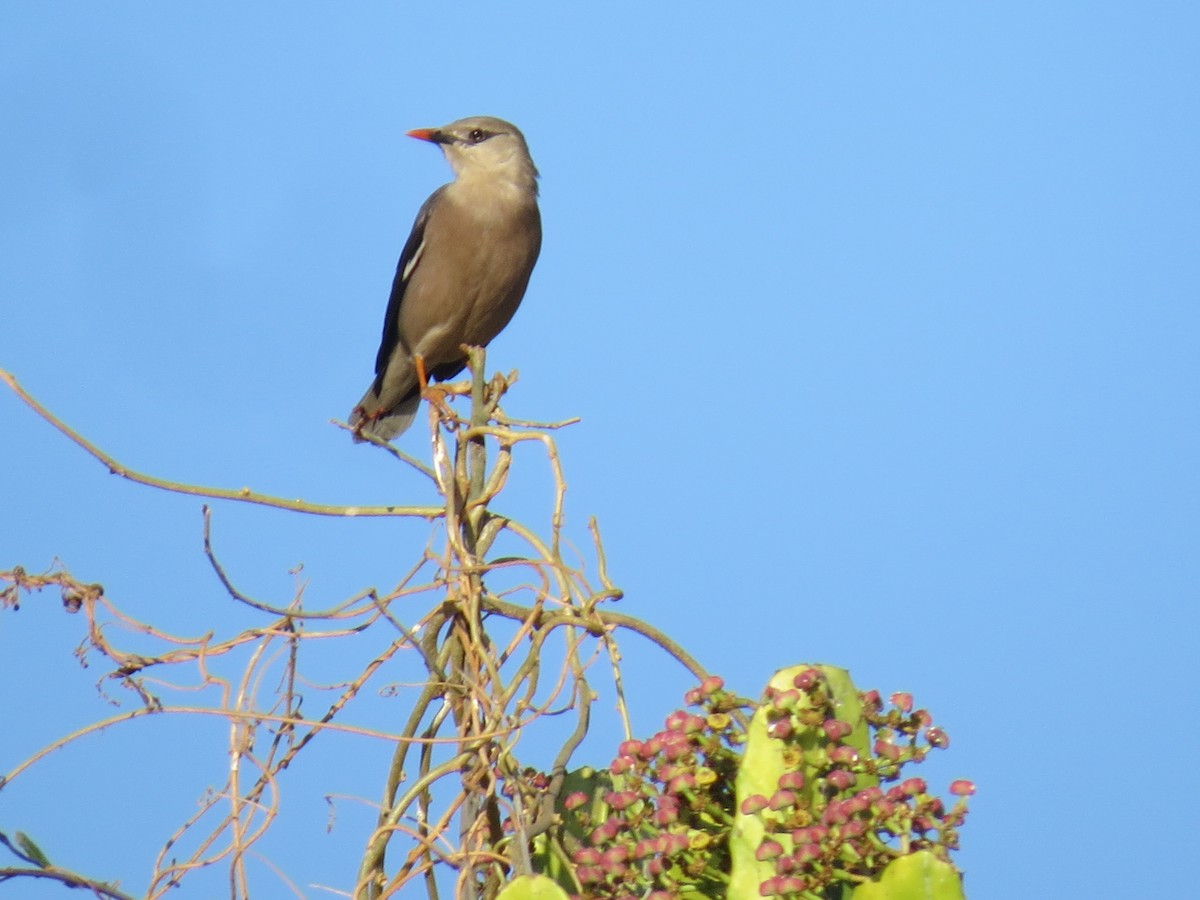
[{"x": 462, "y": 272}]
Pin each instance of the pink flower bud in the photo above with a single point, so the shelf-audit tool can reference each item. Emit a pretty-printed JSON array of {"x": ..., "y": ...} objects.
[
  {"x": 962, "y": 788},
  {"x": 792, "y": 781},
  {"x": 786, "y": 701},
  {"x": 684, "y": 782},
  {"x": 587, "y": 856},
  {"x": 575, "y": 800},
  {"x": 835, "y": 729},
  {"x": 768, "y": 850},
  {"x": 606, "y": 830},
  {"x": 856, "y": 804},
  {"x": 807, "y": 680},
  {"x": 843, "y": 754},
  {"x": 782, "y": 800},
  {"x": 621, "y": 765},
  {"x": 853, "y": 829},
  {"x": 620, "y": 800},
  {"x": 589, "y": 874},
  {"x": 902, "y": 700},
  {"x": 835, "y": 814},
  {"x": 840, "y": 779},
  {"x": 754, "y": 803},
  {"x": 780, "y": 730},
  {"x": 675, "y": 720},
  {"x": 886, "y": 750},
  {"x": 770, "y": 887},
  {"x": 630, "y": 748},
  {"x": 676, "y": 749},
  {"x": 613, "y": 861},
  {"x": 806, "y": 853}
]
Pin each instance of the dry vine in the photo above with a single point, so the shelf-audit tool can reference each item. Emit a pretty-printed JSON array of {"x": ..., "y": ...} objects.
[{"x": 457, "y": 804}]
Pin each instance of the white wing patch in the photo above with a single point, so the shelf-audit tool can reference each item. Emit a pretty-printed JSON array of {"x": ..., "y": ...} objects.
[{"x": 412, "y": 263}]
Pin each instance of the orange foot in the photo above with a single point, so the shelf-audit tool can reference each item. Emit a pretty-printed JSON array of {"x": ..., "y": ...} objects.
[{"x": 435, "y": 395}]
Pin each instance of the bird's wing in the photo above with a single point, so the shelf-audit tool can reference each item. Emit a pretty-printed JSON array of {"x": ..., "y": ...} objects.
[{"x": 410, "y": 258}]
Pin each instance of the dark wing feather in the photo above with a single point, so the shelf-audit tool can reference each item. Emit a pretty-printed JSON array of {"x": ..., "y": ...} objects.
[{"x": 391, "y": 319}]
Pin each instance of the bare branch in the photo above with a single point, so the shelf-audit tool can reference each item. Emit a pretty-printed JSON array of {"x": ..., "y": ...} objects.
[{"x": 241, "y": 495}]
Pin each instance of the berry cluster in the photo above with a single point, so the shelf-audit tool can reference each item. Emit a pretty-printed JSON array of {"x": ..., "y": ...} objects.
[
  {"x": 830, "y": 818},
  {"x": 667, "y": 808},
  {"x": 661, "y": 822}
]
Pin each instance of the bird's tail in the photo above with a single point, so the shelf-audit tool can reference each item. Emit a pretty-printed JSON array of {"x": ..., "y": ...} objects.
[{"x": 370, "y": 418}]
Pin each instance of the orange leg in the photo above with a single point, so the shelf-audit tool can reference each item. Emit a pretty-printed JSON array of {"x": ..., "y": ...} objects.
[
  {"x": 422, "y": 376},
  {"x": 434, "y": 395}
]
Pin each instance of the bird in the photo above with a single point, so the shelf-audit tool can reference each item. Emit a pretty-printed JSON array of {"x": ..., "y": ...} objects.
[{"x": 463, "y": 270}]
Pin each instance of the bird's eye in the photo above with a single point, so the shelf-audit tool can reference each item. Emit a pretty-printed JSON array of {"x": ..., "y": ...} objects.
[{"x": 477, "y": 135}]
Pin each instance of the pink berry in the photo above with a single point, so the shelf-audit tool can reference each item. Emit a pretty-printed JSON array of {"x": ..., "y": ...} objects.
[
  {"x": 754, "y": 803},
  {"x": 589, "y": 874},
  {"x": 887, "y": 750},
  {"x": 962, "y": 788},
  {"x": 840, "y": 779},
  {"x": 782, "y": 800},
  {"x": 575, "y": 800},
  {"x": 807, "y": 680},
  {"x": 792, "y": 781},
  {"x": 843, "y": 754},
  {"x": 937, "y": 738},
  {"x": 630, "y": 748},
  {"x": 768, "y": 850},
  {"x": 780, "y": 730},
  {"x": 621, "y": 765},
  {"x": 835, "y": 729}
]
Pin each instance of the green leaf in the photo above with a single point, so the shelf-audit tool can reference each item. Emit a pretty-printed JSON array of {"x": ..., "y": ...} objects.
[
  {"x": 532, "y": 887},
  {"x": 32, "y": 850},
  {"x": 547, "y": 858},
  {"x": 918, "y": 876},
  {"x": 763, "y": 763}
]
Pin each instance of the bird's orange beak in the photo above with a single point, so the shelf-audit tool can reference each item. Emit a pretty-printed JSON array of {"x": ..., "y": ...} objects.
[{"x": 426, "y": 134}]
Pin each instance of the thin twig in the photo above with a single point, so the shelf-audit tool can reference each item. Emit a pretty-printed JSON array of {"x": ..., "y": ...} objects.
[{"x": 242, "y": 495}]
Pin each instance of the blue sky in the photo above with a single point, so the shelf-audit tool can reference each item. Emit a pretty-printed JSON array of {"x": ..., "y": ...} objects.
[{"x": 881, "y": 320}]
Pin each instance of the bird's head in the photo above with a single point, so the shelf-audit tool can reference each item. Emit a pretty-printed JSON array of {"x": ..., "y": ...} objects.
[{"x": 484, "y": 147}]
